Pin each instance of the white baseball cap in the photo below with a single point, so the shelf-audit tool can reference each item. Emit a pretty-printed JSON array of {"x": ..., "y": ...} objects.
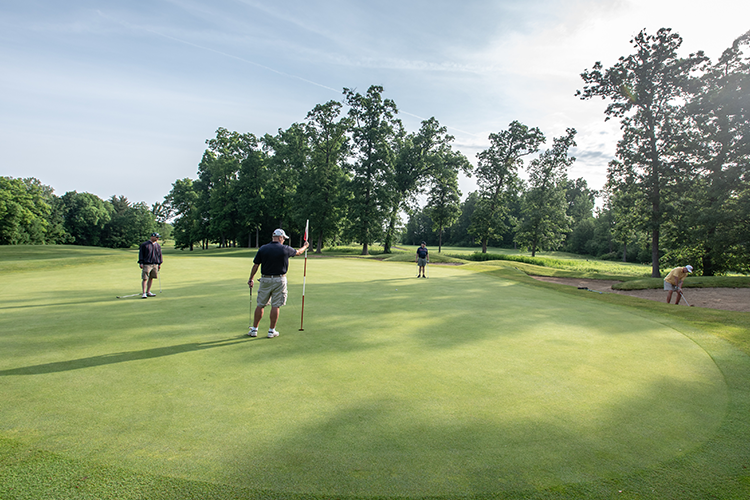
[
  {"x": 280, "y": 232},
  {"x": 689, "y": 268}
]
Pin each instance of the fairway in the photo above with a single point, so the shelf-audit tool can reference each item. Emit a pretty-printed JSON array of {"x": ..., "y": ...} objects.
[{"x": 460, "y": 384}]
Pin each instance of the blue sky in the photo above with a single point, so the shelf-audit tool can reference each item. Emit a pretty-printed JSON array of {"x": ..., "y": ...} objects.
[{"x": 117, "y": 97}]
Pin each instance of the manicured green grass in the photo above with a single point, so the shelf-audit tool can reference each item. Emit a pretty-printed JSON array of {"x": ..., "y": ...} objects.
[{"x": 478, "y": 382}]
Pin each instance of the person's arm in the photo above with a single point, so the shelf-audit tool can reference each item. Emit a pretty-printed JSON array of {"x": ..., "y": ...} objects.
[
  {"x": 252, "y": 273},
  {"x": 301, "y": 249}
]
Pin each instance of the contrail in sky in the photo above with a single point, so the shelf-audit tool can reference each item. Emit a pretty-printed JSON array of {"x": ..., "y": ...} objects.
[
  {"x": 129, "y": 26},
  {"x": 247, "y": 61}
]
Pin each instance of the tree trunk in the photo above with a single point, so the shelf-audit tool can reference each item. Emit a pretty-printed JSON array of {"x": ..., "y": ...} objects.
[
  {"x": 365, "y": 251},
  {"x": 655, "y": 254}
]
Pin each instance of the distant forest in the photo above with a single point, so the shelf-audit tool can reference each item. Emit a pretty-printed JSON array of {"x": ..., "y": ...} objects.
[{"x": 677, "y": 192}]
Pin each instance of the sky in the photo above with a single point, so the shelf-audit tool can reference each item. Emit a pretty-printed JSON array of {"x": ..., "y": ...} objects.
[{"x": 118, "y": 97}]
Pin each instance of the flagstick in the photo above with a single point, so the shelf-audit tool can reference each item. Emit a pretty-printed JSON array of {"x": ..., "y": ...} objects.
[{"x": 304, "y": 281}]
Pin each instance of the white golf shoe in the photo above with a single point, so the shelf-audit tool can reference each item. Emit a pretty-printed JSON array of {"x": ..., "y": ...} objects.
[
  {"x": 272, "y": 334},
  {"x": 253, "y": 332}
]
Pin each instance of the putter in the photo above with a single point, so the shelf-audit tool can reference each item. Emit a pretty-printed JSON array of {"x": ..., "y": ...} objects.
[
  {"x": 426, "y": 270},
  {"x": 685, "y": 299}
]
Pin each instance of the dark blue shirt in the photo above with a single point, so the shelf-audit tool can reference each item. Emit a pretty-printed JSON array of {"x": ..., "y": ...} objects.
[
  {"x": 149, "y": 253},
  {"x": 274, "y": 258},
  {"x": 422, "y": 253}
]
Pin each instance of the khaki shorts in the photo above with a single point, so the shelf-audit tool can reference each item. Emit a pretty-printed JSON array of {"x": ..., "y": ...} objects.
[
  {"x": 150, "y": 271},
  {"x": 669, "y": 286},
  {"x": 421, "y": 262},
  {"x": 272, "y": 291}
]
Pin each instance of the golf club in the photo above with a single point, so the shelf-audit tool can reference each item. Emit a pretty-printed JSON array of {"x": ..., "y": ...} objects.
[
  {"x": 251, "y": 307},
  {"x": 417, "y": 270},
  {"x": 426, "y": 270},
  {"x": 684, "y": 298}
]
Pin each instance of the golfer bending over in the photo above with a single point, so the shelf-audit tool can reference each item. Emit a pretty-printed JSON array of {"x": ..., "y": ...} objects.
[
  {"x": 423, "y": 258},
  {"x": 149, "y": 258},
  {"x": 674, "y": 280},
  {"x": 273, "y": 260}
]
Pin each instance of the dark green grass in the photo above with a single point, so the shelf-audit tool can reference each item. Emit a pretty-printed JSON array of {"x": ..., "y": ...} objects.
[{"x": 478, "y": 382}]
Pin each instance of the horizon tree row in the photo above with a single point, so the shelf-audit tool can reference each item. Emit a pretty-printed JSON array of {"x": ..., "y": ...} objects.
[
  {"x": 351, "y": 174},
  {"x": 31, "y": 213}
]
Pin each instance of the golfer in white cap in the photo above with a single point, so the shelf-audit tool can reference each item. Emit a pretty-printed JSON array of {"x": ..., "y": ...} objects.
[
  {"x": 273, "y": 261},
  {"x": 673, "y": 282}
]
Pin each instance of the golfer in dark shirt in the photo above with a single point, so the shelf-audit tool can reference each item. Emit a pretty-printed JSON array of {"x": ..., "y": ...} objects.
[
  {"x": 423, "y": 258},
  {"x": 149, "y": 258},
  {"x": 273, "y": 261}
]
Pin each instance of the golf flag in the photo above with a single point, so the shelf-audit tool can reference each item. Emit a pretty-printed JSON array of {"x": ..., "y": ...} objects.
[{"x": 304, "y": 280}]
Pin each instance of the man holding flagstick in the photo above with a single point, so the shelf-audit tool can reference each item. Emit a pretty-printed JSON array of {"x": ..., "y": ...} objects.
[{"x": 273, "y": 261}]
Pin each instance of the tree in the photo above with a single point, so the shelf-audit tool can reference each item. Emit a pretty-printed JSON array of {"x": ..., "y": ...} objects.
[
  {"x": 581, "y": 201},
  {"x": 321, "y": 189},
  {"x": 182, "y": 201},
  {"x": 444, "y": 198},
  {"x": 497, "y": 175},
  {"x": 374, "y": 126},
  {"x": 85, "y": 216},
  {"x": 287, "y": 155},
  {"x": 544, "y": 219},
  {"x": 129, "y": 224},
  {"x": 646, "y": 90},
  {"x": 23, "y": 211},
  {"x": 717, "y": 148},
  {"x": 419, "y": 159},
  {"x": 218, "y": 175}
]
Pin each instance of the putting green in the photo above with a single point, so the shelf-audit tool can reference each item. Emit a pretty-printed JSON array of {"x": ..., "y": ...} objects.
[{"x": 458, "y": 384}]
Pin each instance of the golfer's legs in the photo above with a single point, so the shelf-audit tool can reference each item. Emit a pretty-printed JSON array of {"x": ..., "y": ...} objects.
[
  {"x": 274, "y": 317},
  {"x": 258, "y": 316}
]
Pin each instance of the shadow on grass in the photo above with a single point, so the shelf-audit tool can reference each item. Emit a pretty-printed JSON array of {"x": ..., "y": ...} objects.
[{"x": 121, "y": 357}]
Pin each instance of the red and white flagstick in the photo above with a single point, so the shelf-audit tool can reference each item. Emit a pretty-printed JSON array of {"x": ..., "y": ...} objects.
[{"x": 304, "y": 281}]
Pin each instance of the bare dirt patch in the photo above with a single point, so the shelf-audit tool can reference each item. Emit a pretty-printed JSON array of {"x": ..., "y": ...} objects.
[{"x": 728, "y": 299}]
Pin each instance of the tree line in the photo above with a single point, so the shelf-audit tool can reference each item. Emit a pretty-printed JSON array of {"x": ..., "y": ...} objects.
[
  {"x": 32, "y": 214},
  {"x": 677, "y": 191}
]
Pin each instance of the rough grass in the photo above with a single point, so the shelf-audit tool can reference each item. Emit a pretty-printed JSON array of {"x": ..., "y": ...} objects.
[{"x": 479, "y": 382}]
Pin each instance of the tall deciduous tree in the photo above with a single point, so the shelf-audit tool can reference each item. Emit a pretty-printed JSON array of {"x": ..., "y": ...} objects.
[
  {"x": 544, "y": 208},
  {"x": 182, "y": 201},
  {"x": 444, "y": 197},
  {"x": 287, "y": 155},
  {"x": 497, "y": 174},
  {"x": 419, "y": 159},
  {"x": 646, "y": 90},
  {"x": 374, "y": 125},
  {"x": 321, "y": 189}
]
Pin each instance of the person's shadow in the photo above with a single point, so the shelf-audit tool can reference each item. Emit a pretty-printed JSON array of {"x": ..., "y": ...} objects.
[{"x": 120, "y": 357}]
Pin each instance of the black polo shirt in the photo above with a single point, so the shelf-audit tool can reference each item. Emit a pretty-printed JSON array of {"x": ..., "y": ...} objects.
[{"x": 274, "y": 258}]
